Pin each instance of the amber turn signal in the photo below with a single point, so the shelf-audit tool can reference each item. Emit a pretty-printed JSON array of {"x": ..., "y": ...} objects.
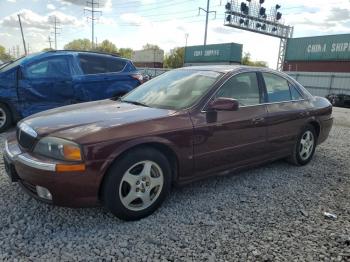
[
  {"x": 70, "y": 168},
  {"x": 72, "y": 152}
]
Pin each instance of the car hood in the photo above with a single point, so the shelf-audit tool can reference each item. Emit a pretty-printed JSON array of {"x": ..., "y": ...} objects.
[{"x": 75, "y": 121}]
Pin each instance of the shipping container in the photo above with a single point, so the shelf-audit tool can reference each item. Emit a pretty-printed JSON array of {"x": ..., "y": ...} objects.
[
  {"x": 215, "y": 54},
  {"x": 319, "y": 48},
  {"x": 323, "y": 84},
  {"x": 148, "y": 64},
  {"x": 148, "y": 56},
  {"x": 318, "y": 66}
]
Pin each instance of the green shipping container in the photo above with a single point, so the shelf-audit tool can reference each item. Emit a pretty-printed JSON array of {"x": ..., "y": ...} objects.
[
  {"x": 319, "y": 48},
  {"x": 219, "y": 53}
]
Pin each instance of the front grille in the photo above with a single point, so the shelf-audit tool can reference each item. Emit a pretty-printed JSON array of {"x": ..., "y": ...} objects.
[{"x": 24, "y": 139}]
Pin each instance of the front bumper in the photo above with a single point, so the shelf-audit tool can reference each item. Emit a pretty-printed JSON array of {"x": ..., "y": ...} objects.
[{"x": 71, "y": 189}]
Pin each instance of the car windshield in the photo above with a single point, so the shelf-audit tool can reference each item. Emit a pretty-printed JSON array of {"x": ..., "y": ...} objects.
[
  {"x": 177, "y": 89},
  {"x": 11, "y": 64}
]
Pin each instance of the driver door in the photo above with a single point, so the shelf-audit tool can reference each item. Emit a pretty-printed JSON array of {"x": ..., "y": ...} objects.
[
  {"x": 229, "y": 139},
  {"x": 45, "y": 84}
]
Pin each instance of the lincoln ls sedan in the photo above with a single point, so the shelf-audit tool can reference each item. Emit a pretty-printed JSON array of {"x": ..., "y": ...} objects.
[{"x": 185, "y": 125}]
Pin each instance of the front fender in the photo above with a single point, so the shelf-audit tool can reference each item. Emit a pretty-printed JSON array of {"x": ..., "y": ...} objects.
[{"x": 122, "y": 148}]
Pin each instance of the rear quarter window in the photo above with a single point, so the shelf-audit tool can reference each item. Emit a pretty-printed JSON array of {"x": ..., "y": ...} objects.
[
  {"x": 277, "y": 88},
  {"x": 94, "y": 64}
]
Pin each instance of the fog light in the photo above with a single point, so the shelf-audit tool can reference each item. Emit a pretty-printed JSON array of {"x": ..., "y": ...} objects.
[{"x": 43, "y": 193}]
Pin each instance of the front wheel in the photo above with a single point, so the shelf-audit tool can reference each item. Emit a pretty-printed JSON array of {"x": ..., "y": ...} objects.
[
  {"x": 5, "y": 118},
  {"x": 305, "y": 146},
  {"x": 137, "y": 184}
]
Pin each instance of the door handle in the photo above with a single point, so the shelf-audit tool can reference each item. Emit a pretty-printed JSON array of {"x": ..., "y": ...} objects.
[
  {"x": 304, "y": 114},
  {"x": 258, "y": 120}
]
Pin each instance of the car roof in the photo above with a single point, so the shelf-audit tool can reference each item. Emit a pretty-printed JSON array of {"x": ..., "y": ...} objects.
[
  {"x": 232, "y": 68},
  {"x": 223, "y": 68},
  {"x": 37, "y": 56}
]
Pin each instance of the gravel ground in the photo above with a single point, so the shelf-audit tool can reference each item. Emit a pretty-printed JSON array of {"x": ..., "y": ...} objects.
[{"x": 272, "y": 213}]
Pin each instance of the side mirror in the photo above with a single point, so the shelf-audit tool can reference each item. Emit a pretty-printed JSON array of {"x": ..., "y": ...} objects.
[{"x": 223, "y": 104}]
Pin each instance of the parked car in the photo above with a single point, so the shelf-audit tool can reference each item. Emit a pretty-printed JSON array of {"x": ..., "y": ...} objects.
[
  {"x": 52, "y": 79},
  {"x": 341, "y": 100},
  {"x": 182, "y": 126}
]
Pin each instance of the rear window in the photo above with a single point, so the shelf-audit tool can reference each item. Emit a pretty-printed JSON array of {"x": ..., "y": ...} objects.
[{"x": 93, "y": 64}]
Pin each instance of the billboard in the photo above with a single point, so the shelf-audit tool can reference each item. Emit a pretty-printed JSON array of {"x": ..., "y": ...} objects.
[
  {"x": 218, "y": 53},
  {"x": 148, "y": 56},
  {"x": 319, "y": 48}
]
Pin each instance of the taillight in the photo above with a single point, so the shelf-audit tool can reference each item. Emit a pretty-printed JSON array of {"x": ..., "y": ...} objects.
[{"x": 138, "y": 77}]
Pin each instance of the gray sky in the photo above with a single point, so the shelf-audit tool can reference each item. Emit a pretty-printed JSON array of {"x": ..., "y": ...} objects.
[{"x": 164, "y": 22}]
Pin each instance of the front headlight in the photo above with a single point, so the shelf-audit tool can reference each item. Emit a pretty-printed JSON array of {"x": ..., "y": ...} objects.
[{"x": 58, "y": 148}]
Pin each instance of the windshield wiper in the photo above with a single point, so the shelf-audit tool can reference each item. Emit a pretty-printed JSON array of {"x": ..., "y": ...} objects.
[{"x": 134, "y": 103}]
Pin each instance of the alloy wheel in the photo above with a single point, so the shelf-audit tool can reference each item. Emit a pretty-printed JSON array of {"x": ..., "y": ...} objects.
[
  {"x": 2, "y": 117},
  {"x": 307, "y": 144},
  {"x": 141, "y": 185}
]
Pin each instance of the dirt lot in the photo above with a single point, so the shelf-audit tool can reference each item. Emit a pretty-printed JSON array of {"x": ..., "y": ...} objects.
[{"x": 272, "y": 213}]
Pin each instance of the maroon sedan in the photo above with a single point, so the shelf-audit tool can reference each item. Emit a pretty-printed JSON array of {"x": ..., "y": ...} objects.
[{"x": 182, "y": 126}]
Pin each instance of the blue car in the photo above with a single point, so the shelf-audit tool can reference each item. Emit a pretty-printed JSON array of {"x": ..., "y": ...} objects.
[{"x": 52, "y": 79}]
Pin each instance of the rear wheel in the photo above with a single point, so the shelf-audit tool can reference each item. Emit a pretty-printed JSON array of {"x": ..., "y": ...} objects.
[
  {"x": 137, "y": 184},
  {"x": 305, "y": 146},
  {"x": 5, "y": 117}
]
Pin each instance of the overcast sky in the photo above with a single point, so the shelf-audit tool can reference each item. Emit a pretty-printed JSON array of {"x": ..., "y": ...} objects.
[{"x": 164, "y": 22}]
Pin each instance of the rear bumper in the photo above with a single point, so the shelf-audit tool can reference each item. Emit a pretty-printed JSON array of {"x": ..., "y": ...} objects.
[
  {"x": 326, "y": 127},
  {"x": 70, "y": 189}
]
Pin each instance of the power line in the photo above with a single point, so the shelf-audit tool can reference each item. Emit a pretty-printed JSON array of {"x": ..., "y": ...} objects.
[
  {"x": 134, "y": 4},
  {"x": 92, "y": 5},
  {"x": 55, "y": 30}
]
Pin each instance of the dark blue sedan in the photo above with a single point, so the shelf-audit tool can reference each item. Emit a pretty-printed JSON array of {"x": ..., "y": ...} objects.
[{"x": 52, "y": 79}]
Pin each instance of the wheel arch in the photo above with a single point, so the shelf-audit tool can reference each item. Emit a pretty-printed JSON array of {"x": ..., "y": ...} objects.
[
  {"x": 14, "y": 113},
  {"x": 164, "y": 147},
  {"x": 317, "y": 127}
]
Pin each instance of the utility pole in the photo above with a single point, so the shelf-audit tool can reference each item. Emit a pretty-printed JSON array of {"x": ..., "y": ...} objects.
[
  {"x": 24, "y": 42},
  {"x": 186, "y": 38},
  {"x": 91, "y": 8},
  {"x": 207, "y": 11},
  {"x": 55, "y": 28},
  {"x": 50, "y": 42}
]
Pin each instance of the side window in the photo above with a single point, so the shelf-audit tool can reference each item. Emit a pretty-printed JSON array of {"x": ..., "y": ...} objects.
[
  {"x": 243, "y": 87},
  {"x": 115, "y": 65},
  {"x": 295, "y": 93},
  {"x": 277, "y": 88},
  {"x": 92, "y": 64},
  {"x": 95, "y": 64},
  {"x": 56, "y": 67}
]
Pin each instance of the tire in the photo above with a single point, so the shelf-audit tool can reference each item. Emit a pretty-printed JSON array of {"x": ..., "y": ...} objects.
[
  {"x": 137, "y": 184},
  {"x": 334, "y": 101},
  {"x": 303, "y": 152},
  {"x": 5, "y": 118}
]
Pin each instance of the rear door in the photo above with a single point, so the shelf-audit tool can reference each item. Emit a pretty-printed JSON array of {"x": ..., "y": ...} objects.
[
  {"x": 287, "y": 113},
  {"x": 102, "y": 77},
  {"x": 45, "y": 84}
]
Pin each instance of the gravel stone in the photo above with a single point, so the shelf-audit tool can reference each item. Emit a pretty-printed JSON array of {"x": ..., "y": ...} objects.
[{"x": 271, "y": 213}]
